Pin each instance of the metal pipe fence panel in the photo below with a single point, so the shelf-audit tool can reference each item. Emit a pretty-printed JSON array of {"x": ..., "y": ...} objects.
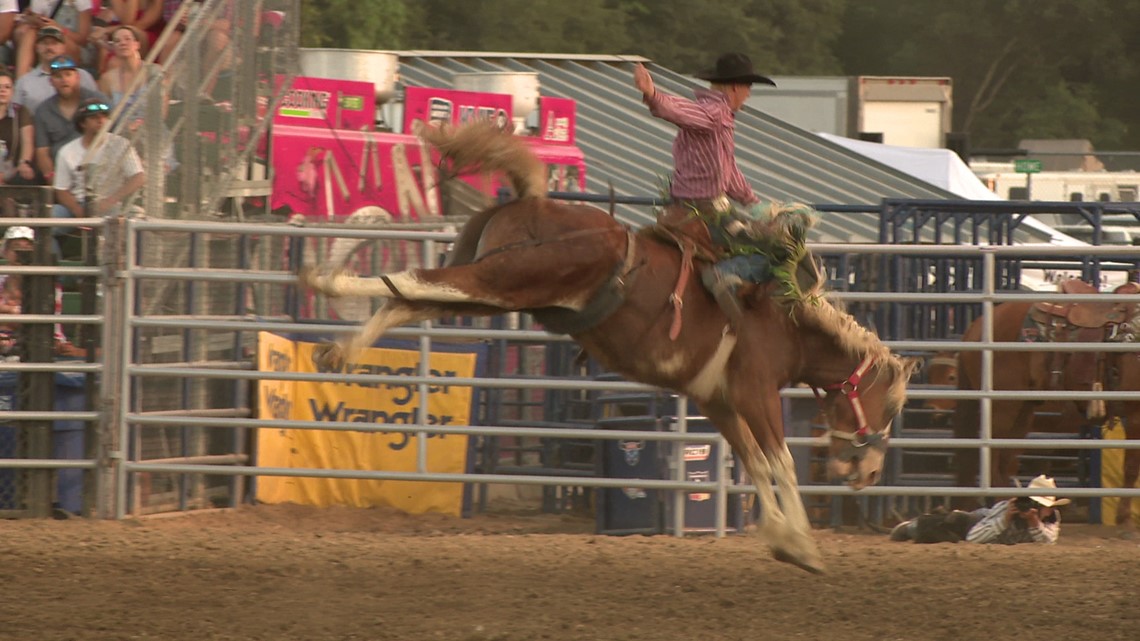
[{"x": 168, "y": 411}]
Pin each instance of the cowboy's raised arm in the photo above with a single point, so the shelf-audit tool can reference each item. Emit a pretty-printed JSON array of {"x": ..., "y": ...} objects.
[{"x": 680, "y": 111}]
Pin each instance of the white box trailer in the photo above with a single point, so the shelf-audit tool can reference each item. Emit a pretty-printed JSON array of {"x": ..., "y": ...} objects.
[
  {"x": 907, "y": 111},
  {"x": 896, "y": 110}
]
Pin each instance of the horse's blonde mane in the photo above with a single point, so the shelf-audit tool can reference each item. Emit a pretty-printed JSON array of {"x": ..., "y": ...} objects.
[
  {"x": 481, "y": 145},
  {"x": 818, "y": 310}
]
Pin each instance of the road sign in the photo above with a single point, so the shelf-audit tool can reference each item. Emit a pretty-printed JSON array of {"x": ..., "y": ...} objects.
[{"x": 1027, "y": 166}]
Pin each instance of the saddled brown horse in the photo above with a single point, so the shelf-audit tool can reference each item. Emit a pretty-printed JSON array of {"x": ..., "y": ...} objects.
[
  {"x": 1054, "y": 417},
  {"x": 581, "y": 272},
  {"x": 1043, "y": 371}
]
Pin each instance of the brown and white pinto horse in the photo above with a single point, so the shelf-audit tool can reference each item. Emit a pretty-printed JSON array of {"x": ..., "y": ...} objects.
[{"x": 581, "y": 272}]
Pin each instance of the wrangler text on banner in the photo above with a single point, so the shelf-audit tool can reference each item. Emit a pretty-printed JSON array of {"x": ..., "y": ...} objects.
[{"x": 366, "y": 403}]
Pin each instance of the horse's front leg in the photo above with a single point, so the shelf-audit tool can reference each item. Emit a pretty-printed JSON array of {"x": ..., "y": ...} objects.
[
  {"x": 783, "y": 523},
  {"x": 736, "y": 432},
  {"x": 764, "y": 415}
]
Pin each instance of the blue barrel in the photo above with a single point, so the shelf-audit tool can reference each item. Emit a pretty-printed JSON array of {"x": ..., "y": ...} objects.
[{"x": 630, "y": 510}]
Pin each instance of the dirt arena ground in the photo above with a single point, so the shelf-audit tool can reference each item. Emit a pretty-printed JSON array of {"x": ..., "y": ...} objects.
[{"x": 278, "y": 573}]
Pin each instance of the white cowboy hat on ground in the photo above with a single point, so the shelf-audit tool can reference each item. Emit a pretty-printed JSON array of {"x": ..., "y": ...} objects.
[{"x": 1042, "y": 482}]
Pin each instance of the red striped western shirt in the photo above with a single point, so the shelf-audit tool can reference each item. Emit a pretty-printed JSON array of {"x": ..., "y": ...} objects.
[{"x": 704, "y": 153}]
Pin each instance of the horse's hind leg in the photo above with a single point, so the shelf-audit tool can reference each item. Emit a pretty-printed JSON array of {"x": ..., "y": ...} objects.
[
  {"x": 393, "y": 313},
  {"x": 504, "y": 287}
]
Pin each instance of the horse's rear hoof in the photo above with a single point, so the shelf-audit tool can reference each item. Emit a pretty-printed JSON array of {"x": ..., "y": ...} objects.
[
  {"x": 813, "y": 565},
  {"x": 307, "y": 274},
  {"x": 328, "y": 357}
]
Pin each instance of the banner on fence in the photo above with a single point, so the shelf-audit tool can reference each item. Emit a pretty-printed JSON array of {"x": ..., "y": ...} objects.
[
  {"x": 1112, "y": 474},
  {"x": 365, "y": 403}
]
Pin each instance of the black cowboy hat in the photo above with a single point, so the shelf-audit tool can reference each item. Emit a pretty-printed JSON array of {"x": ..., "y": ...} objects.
[{"x": 734, "y": 68}]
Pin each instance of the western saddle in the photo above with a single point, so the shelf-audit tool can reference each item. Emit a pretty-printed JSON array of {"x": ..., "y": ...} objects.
[
  {"x": 1089, "y": 322},
  {"x": 1064, "y": 317}
]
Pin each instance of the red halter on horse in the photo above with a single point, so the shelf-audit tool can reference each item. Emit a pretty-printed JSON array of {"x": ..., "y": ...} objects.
[{"x": 581, "y": 272}]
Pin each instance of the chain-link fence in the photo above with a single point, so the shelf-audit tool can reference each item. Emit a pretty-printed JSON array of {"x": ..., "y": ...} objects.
[{"x": 199, "y": 124}]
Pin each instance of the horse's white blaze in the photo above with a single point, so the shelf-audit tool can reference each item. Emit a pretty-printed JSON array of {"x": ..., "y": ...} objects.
[{"x": 712, "y": 376}]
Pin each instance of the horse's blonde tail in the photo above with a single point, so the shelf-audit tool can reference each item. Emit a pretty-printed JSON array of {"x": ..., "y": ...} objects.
[{"x": 482, "y": 145}]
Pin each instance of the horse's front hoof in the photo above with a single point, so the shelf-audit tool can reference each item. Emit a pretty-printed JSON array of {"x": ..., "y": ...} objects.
[
  {"x": 329, "y": 357},
  {"x": 809, "y": 560}
]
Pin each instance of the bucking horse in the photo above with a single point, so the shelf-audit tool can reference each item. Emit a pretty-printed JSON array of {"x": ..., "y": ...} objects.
[{"x": 625, "y": 297}]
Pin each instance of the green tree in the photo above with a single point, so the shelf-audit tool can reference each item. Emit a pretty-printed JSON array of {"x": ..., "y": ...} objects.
[
  {"x": 1021, "y": 68},
  {"x": 525, "y": 26},
  {"x": 354, "y": 24}
]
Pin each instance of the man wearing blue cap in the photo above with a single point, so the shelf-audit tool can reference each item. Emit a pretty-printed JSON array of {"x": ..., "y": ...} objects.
[{"x": 54, "y": 125}]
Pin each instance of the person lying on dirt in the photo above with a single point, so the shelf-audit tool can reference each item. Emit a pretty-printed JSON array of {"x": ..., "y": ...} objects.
[{"x": 1026, "y": 519}]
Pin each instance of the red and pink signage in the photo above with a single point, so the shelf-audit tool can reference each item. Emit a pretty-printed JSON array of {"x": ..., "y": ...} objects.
[
  {"x": 556, "y": 120},
  {"x": 328, "y": 161},
  {"x": 453, "y": 106},
  {"x": 327, "y": 103}
]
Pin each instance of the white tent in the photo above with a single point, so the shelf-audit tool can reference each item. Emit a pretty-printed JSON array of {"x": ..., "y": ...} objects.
[
  {"x": 943, "y": 168},
  {"x": 939, "y": 167}
]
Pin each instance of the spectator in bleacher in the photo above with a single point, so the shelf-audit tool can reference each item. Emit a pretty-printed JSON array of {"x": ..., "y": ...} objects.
[
  {"x": 1027, "y": 519},
  {"x": 17, "y": 243},
  {"x": 126, "y": 42},
  {"x": 109, "y": 172},
  {"x": 216, "y": 51},
  {"x": 9, "y": 12},
  {"x": 144, "y": 15},
  {"x": 117, "y": 83},
  {"x": 54, "y": 118},
  {"x": 71, "y": 17},
  {"x": 16, "y": 142},
  {"x": 35, "y": 86}
]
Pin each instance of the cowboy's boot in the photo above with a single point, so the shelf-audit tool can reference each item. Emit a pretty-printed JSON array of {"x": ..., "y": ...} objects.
[{"x": 724, "y": 290}]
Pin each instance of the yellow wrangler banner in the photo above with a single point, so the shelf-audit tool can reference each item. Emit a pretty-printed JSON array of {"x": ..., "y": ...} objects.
[
  {"x": 364, "y": 403},
  {"x": 1112, "y": 474}
]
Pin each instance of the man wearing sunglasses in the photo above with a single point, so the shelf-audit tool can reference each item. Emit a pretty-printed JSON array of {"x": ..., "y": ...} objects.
[
  {"x": 95, "y": 179},
  {"x": 54, "y": 117}
]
